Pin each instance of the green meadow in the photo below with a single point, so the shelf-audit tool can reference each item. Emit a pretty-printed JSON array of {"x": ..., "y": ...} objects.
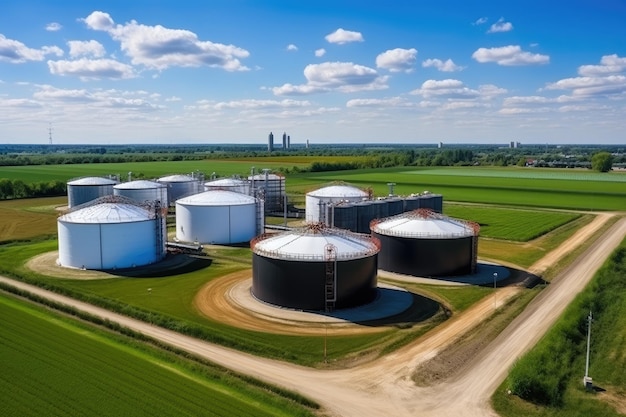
[{"x": 56, "y": 366}]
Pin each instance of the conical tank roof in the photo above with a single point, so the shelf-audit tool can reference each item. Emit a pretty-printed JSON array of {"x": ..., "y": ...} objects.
[
  {"x": 108, "y": 213},
  {"x": 92, "y": 181},
  {"x": 423, "y": 223},
  {"x": 217, "y": 198},
  {"x": 312, "y": 243}
]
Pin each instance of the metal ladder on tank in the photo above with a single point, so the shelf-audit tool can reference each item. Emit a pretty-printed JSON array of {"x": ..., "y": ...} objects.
[
  {"x": 330, "y": 283},
  {"x": 158, "y": 219}
]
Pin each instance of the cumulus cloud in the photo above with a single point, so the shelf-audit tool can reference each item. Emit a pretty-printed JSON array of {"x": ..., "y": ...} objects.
[
  {"x": 344, "y": 77},
  {"x": 500, "y": 26},
  {"x": 591, "y": 86},
  {"x": 397, "y": 60},
  {"x": 480, "y": 21},
  {"x": 341, "y": 36},
  {"x": 609, "y": 64},
  {"x": 509, "y": 56},
  {"x": 444, "y": 66},
  {"x": 261, "y": 104},
  {"x": 16, "y": 52},
  {"x": 100, "y": 99},
  {"x": 375, "y": 102},
  {"x": 86, "y": 48},
  {"x": 158, "y": 47},
  {"x": 320, "y": 52},
  {"x": 292, "y": 47},
  {"x": 91, "y": 69},
  {"x": 457, "y": 90},
  {"x": 53, "y": 27}
]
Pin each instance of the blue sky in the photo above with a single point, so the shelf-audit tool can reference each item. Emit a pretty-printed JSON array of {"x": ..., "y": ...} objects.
[{"x": 404, "y": 71}]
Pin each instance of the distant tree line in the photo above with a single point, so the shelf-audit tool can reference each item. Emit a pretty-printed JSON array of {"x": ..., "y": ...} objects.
[{"x": 11, "y": 189}]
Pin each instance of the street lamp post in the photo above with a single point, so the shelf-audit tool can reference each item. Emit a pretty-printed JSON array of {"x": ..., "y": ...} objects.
[
  {"x": 587, "y": 381},
  {"x": 495, "y": 300}
]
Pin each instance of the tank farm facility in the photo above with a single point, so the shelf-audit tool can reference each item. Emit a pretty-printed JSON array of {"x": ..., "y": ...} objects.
[{"x": 326, "y": 262}]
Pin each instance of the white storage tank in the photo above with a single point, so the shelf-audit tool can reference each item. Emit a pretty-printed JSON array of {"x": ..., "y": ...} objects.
[
  {"x": 179, "y": 186},
  {"x": 142, "y": 191},
  {"x": 84, "y": 190},
  {"x": 273, "y": 186},
  {"x": 110, "y": 235},
  {"x": 218, "y": 217},
  {"x": 229, "y": 184},
  {"x": 316, "y": 201}
]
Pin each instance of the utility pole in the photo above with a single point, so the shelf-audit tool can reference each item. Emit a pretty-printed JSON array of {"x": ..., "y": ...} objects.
[
  {"x": 495, "y": 300},
  {"x": 587, "y": 381}
]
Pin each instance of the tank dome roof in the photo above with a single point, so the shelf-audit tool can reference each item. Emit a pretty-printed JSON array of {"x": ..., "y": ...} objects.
[
  {"x": 217, "y": 198},
  {"x": 108, "y": 213},
  {"x": 92, "y": 181},
  {"x": 225, "y": 182},
  {"x": 338, "y": 191},
  {"x": 423, "y": 223},
  {"x": 177, "y": 178},
  {"x": 312, "y": 243},
  {"x": 138, "y": 185}
]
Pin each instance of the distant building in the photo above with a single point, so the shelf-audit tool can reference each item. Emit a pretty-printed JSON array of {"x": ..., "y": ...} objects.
[
  {"x": 440, "y": 145},
  {"x": 288, "y": 141},
  {"x": 270, "y": 142},
  {"x": 514, "y": 145},
  {"x": 284, "y": 140},
  {"x": 307, "y": 144}
]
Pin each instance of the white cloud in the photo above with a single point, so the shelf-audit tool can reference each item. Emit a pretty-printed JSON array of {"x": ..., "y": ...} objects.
[
  {"x": 16, "y": 52},
  {"x": 100, "y": 99},
  {"x": 341, "y": 36},
  {"x": 480, "y": 21},
  {"x": 344, "y": 77},
  {"x": 374, "y": 102},
  {"x": 53, "y": 27},
  {"x": 397, "y": 60},
  {"x": 591, "y": 86},
  {"x": 609, "y": 64},
  {"x": 91, "y": 69},
  {"x": 292, "y": 47},
  {"x": 158, "y": 47},
  {"x": 320, "y": 52},
  {"x": 447, "y": 66},
  {"x": 261, "y": 104},
  {"x": 86, "y": 48},
  {"x": 500, "y": 26},
  {"x": 456, "y": 90},
  {"x": 509, "y": 55}
]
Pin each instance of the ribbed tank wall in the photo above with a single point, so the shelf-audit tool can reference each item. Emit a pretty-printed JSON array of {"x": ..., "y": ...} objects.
[
  {"x": 426, "y": 257},
  {"x": 274, "y": 192},
  {"x": 395, "y": 206},
  {"x": 176, "y": 190},
  {"x": 301, "y": 285},
  {"x": 412, "y": 203},
  {"x": 427, "y": 201},
  {"x": 107, "y": 245},
  {"x": 365, "y": 212},
  {"x": 344, "y": 216},
  {"x": 242, "y": 188},
  {"x": 438, "y": 203},
  {"x": 80, "y": 194},
  {"x": 141, "y": 195},
  {"x": 382, "y": 209}
]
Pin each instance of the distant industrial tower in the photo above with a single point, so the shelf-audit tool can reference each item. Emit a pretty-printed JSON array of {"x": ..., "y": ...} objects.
[
  {"x": 284, "y": 140},
  {"x": 50, "y": 133},
  {"x": 270, "y": 142},
  {"x": 288, "y": 142}
]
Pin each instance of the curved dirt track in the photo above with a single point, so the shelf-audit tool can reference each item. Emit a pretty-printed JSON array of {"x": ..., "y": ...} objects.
[{"x": 383, "y": 387}]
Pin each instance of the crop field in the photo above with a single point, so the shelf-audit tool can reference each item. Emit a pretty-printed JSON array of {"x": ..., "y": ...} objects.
[
  {"x": 28, "y": 218},
  {"x": 486, "y": 185},
  {"x": 510, "y": 224},
  {"x": 51, "y": 366}
]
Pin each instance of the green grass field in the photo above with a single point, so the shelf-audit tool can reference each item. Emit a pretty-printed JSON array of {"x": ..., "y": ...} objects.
[{"x": 53, "y": 366}]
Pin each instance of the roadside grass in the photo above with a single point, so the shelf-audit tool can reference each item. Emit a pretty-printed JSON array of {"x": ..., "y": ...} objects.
[
  {"x": 549, "y": 376},
  {"x": 524, "y": 254},
  {"x": 54, "y": 365},
  {"x": 509, "y": 223}
]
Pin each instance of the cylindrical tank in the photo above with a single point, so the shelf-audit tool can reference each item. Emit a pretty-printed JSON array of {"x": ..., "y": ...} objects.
[
  {"x": 273, "y": 186},
  {"x": 314, "y": 268},
  {"x": 381, "y": 207},
  {"x": 426, "y": 243},
  {"x": 365, "y": 213},
  {"x": 142, "y": 191},
  {"x": 395, "y": 205},
  {"x": 217, "y": 217},
  {"x": 84, "y": 190},
  {"x": 110, "y": 236},
  {"x": 427, "y": 201},
  {"x": 316, "y": 201},
  {"x": 228, "y": 184},
  {"x": 342, "y": 215},
  {"x": 412, "y": 202},
  {"x": 179, "y": 186},
  {"x": 438, "y": 203}
]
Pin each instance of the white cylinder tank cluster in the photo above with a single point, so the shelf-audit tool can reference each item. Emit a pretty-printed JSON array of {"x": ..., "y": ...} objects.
[
  {"x": 316, "y": 201},
  {"x": 142, "y": 191},
  {"x": 110, "y": 235},
  {"x": 218, "y": 217}
]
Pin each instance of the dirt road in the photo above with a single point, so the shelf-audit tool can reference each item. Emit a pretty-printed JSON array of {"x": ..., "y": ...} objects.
[{"x": 384, "y": 387}]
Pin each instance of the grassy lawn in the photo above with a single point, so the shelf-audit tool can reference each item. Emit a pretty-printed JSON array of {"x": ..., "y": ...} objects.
[{"x": 55, "y": 366}]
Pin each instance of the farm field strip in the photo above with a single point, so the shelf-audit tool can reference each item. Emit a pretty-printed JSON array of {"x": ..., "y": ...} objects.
[
  {"x": 525, "y": 173},
  {"x": 54, "y": 367}
]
